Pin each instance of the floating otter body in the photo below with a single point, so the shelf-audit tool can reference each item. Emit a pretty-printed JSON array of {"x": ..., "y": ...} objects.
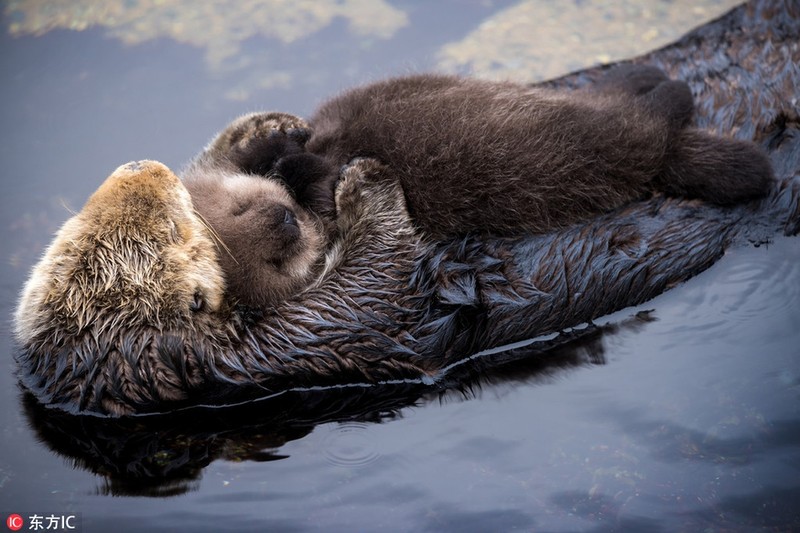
[
  {"x": 392, "y": 305},
  {"x": 478, "y": 157},
  {"x": 504, "y": 159}
]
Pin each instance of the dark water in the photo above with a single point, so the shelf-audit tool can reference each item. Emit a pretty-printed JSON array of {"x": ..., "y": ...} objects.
[{"x": 689, "y": 420}]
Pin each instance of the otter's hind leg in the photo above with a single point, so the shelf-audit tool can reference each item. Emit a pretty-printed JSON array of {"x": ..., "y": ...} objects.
[
  {"x": 720, "y": 170},
  {"x": 670, "y": 99}
]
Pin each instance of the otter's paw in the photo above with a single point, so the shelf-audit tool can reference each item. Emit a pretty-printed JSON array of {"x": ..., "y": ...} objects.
[
  {"x": 259, "y": 125},
  {"x": 311, "y": 179},
  {"x": 254, "y": 143},
  {"x": 369, "y": 191},
  {"x": 353, "y": 177}
]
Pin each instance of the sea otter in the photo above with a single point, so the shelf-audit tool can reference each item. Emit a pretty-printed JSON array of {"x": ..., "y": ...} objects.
[
  {"x": 128, "y": 249},
  {"x": 472, "y": 157},
  {"x": 271, "y": 247},
  {"x": 126, "y": 312}
]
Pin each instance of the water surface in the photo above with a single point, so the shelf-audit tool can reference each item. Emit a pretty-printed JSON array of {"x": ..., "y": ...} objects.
[{"x": 686, "y": 418}]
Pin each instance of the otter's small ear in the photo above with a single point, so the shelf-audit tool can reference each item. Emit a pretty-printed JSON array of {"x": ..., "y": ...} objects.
[{"x": 198, "y": 301}]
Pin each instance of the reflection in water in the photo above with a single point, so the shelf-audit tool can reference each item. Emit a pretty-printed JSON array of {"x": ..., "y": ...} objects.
[
  {"x": 759, "y": 293},
  {"x": 729, "y": 459},
  {"x": 670, "y": 442},
  {"x": 766, "y": 508},
  {"x": 525, "y": 42},
  {"x": 222, "y": 28},
  {"x": 219, "y": 26},
  {"x": 455, "y": 519},
  {"x": 751, "y": 294},
  {"x": 770, "y": 507},
  {"x": 165, "y": 455},
  {"x": 349, "y": 444},
  {"x": 539, "y": 39}
]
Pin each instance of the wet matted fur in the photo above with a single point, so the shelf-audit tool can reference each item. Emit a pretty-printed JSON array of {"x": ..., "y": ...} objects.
[
  {"x": 392, "y": 306},
  {"x": 472, "y": 157}
]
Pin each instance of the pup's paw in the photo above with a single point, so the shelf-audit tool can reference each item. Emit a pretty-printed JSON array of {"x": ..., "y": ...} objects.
[{"x": 253, "y": 143}]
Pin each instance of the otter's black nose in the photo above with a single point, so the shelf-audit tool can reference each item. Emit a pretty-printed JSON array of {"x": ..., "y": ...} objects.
[{"x": 289, "y": 218}]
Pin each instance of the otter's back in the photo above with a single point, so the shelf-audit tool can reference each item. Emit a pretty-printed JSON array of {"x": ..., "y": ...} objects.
[{"x": 543, "y": 158}]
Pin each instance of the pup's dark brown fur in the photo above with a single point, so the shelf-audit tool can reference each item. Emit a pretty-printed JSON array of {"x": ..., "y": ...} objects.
[
  {"x": 271, "y": 246},
  {"x": 475, "y": 157},
  {"x": 506, "y": 159}
]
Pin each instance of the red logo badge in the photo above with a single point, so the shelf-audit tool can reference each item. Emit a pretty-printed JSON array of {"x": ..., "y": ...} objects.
[{"x": 14, "y": 522}]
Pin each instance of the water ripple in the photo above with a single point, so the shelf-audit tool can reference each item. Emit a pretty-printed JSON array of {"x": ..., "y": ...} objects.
[
  {"x": 756, "y": 286},
  {"x": 349, "y": 444},
  {"x": 760, "y": 288}
]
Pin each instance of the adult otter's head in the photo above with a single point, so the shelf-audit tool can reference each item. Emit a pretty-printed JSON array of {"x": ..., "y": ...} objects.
[
  {"x": 136, "y": 254},
  {"x": 273, "y": 246},
  {"x": 126, "y": 312}
]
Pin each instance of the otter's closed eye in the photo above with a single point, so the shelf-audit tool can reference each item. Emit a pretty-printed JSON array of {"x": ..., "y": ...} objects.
[
  {"x": 198, "y": 302},
  {"x": 241, "y": 207},
  {"x": 174, "y": 234}
]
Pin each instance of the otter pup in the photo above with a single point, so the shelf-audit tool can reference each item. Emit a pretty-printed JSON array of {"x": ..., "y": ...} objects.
[
  {"x": 260, "y": 224},
  {"x": 271, "y": 246},
  {"x": 481, "y": 157}
]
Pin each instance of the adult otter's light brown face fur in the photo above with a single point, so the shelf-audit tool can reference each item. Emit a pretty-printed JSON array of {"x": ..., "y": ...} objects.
[
  {"x": 273, "y": 247},
  {"x": 135, "y": 254}
]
